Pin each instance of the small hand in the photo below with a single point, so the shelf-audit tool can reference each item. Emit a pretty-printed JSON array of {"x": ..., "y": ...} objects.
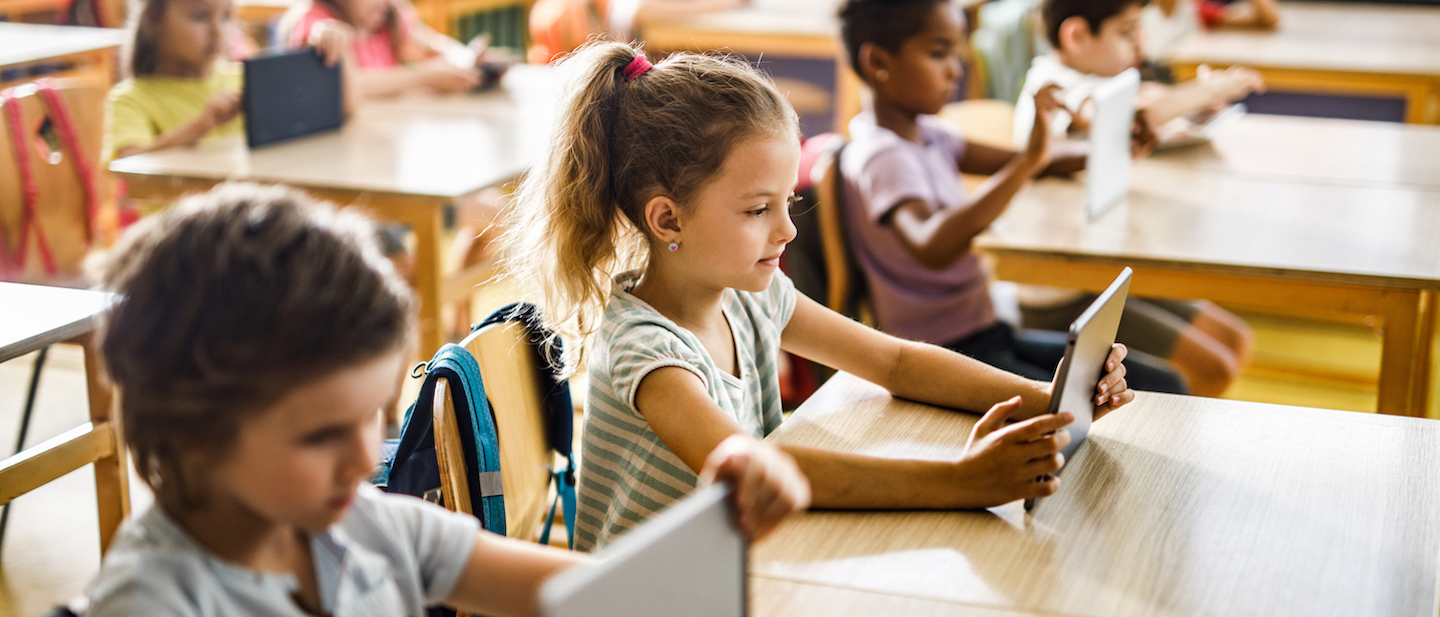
[
  {"x": 332, "y": 38},
  {"x": 768, "y": 485},
  {"x": 1037, "y": 149},
  {"x": 1003, "y": 463},
  {"x": 1231, "y": 84},
  {"x": 1112, "y": 392},
  {"x": 1142, "y": 135},
  {"x": 446, "y": 77}
]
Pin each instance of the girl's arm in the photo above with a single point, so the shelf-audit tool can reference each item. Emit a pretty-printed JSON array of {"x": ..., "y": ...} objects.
[
  {"x": 504, "y": 575},
  {"x": 222, "y": 108},
  {"x": 937, "y": 239}
]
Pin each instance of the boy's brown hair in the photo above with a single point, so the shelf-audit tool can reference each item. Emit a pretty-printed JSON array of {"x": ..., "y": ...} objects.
[
  {"x": 1094, "y": 12},
  {"x": 225, "y": 303}
]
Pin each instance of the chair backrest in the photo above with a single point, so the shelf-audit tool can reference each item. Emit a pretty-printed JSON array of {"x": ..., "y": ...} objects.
[
  {"x": 51, "y": 179},
  {"x": 845, "y": 286},
  {"x": 507, "y": 364}
]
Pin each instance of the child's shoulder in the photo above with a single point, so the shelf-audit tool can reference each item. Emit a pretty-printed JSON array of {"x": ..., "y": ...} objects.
[
  {"x": 153, "y": 569},
  {"x": 870, "y": 143}
]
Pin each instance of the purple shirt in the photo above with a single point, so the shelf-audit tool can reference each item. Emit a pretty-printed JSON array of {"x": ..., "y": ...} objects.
[{"x": 881, "y": 170}]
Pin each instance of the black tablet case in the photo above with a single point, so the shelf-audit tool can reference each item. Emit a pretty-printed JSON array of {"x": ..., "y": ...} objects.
[{"x": 289, "y": 95}]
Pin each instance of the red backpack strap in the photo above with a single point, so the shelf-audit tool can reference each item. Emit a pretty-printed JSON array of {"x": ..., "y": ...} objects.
[
  {"x": 60, "y": 116},
  {"x": 29, "y": 191}
]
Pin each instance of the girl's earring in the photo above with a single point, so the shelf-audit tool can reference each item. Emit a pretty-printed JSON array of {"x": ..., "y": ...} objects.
[{"x": 674, "y": 246}]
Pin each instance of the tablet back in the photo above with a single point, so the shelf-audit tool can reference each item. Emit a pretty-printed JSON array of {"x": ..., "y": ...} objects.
[
  {"x": 688, "y": 561},
  {"x": 289, "y": 95},
  {"x": 1090, "y": 339},
  {"x": 1107, "y": 168}
]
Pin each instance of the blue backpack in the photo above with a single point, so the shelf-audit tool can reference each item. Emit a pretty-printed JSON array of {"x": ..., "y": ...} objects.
[{"x": 410, "y": 466}]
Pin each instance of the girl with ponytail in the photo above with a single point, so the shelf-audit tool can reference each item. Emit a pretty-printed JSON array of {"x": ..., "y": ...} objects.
[{"x": 651, "y": 236}]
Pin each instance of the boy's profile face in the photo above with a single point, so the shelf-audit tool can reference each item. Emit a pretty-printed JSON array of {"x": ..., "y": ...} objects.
[
  {"x": 1110, "y": 51},
  {"x": 298, "y": 464},
  {"x": 925, "y": 71}
]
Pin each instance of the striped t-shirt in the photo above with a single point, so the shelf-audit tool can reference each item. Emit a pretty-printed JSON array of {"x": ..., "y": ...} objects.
[{"x": 628, "y": 475}]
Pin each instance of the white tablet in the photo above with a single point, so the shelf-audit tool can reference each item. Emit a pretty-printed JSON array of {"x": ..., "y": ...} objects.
[
  {"x": 689, "y": 561},
  {"x": 1089, "y": 342},
  {"x": 1193, "y": 129},
  {"x": 1107, "y": 168}
]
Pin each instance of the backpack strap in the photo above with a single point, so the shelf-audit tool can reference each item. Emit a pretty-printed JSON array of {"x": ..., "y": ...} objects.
[{"x": 30, "y": 192}]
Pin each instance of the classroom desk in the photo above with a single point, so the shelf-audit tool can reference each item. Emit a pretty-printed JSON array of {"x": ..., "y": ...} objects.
[
  {"x": 402, "y": 160},
  {"x": 1174, "y": 506},
  {"x": 90, "y": 52},
  {"x": 1335, "y": 48},
  {"x": 1251, "y": 241},
  {"x": 775, "y": 28},
  {"x": 32, "y": 317},
  {"x": 1317, "y": 150}
]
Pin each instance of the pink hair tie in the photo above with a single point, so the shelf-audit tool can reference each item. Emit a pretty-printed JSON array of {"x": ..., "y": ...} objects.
[{"x": 637, "y": 67}]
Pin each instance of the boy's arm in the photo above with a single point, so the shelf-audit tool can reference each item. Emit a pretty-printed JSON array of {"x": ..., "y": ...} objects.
[
  {"x": 1165, "y": 103},
  {"x": 503, "y": 575}
]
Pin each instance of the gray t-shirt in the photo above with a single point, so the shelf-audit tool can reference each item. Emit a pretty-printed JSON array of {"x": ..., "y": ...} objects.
[{"x": 391, "y": 555}]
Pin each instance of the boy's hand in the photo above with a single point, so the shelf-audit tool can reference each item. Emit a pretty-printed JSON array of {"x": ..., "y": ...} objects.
[
  {"x": 445, "y": 77},
  {"x": 332, "y": 38},
  {"x": 1231, "y": 84},
  {"x": 1005, "y": 463},
  {"x": 1112, "y": 392},
  {"x": 768, "y": 484},
  {"x": 1037, "y": 150},
  {"x": 1142, "y": 135}
]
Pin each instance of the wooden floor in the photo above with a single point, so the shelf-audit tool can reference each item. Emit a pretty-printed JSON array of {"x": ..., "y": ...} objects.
[{"x": 50, "y": 550}]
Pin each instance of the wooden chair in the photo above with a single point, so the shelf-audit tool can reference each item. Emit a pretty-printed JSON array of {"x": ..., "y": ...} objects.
[
  {"x": 59, "y": 134},
  {"x": 845, "y": 286},
  {"x": 506, "y": 360}
]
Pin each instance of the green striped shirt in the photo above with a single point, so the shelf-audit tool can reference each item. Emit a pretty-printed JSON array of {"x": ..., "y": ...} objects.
[{"x": 628, "y": 475}]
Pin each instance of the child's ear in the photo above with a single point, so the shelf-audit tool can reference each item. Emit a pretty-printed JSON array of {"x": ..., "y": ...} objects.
[
  {"x": 662, "y": 215},
  {"x": 1075, "y": 33},
  {"x": 874, "y": 63}
]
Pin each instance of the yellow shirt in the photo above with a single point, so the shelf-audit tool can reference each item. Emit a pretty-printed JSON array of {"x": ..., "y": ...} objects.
[{"x": 141, "y": 109}]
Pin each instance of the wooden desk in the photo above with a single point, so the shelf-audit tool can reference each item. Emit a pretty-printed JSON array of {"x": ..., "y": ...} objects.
[
  {"x": 1363, "y": 49},
  {"x": 90, "y": 52},
  {"x": 31, "y": 317},
  {"x": 796, "y": 30},
  {"x": 1250, "y": 241},
  {"x": 1174, "y": 506},
  {"x": 402, "y": 160},
  {"x": 1317, "y": 150}
]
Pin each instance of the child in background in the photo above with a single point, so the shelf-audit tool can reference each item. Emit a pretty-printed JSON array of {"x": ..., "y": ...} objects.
[
  {"x": 908, "y": 217},
  {"x": 652, "y": 233},
  {"x": 256, "y": 336},
  {"x": 1167, "y": 22},
  {"x": 183, "y": 87},
  {"x": 1095, "y": 40},
  {"x": 394, "y": 50}
]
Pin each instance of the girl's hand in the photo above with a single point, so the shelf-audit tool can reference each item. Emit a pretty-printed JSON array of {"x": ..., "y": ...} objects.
[
  {"x": 1005, "y": 463},
  {"x": 445, "y": 77},
  {"x": 332, "y": 38},
  {"x": 768, "y": 484},
  {"x": 1112, "y": 392},
  {"x": 1037, "y": 150},
  {"x": 221, "y": 108}
]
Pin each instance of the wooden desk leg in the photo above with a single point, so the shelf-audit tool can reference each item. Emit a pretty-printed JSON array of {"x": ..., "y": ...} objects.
[
  {"x": 112, "y": 473},
  {"x": 1402, "y": 384},
  {"x": 427, "y": 224}
]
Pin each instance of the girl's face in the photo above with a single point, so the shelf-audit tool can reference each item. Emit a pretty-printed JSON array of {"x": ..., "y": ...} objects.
[
  {"x": 925, "y": 72},
  {"x": 192, "y": 32},
  {"x": 299, "y": 463},
  {"x": 366, "y": 16},
  {"x": 738, "y": 227}
]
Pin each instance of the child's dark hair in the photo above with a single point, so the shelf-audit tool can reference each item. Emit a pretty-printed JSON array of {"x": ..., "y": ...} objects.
[
  {"x": 227, "y": 302},
  {"x": 144, "y": 20},
  {"x": 1094, "y": 12},
  {"x": 884, "y": 23},
  {"x": 618, "y": 143}
]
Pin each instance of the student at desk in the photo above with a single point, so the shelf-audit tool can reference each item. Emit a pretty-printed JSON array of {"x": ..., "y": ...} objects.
[
  {"x": 182, "y": 87},
  {"x": 1095, "y": 40}
]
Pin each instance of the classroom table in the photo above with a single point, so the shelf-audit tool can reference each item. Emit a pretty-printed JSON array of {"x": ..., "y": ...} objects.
[
  {"x": 89, "y": 52},
  {"x": 1175, "y": 505},
  {"x": 1335, "y": 48},
  {"x": 32, "y": 317},
  {"x": 1317, "y": 150},
  {"x": 1249, "y": 240},
  {"x": 779, "y": 28},
  {"x": 402, "y": 160}
]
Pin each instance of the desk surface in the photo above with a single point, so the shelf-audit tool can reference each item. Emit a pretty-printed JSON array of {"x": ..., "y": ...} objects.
[
  {"x": 34, "y": 316},
  {"x": 1228, "y": 223},
  {"x": 1318, "y": 150},
  {"x": 1174, "y": 506},
  {"x": 438, "y": 147},
  {"x": 24, "y": 43},
  {"x": 1362, "y": 38}
]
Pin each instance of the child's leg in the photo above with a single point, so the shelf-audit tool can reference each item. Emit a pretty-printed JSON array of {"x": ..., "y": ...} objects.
[
  {"x": 1164, "y": 328},
  {"x": 1226, "y": 327},
  {"x": 1143, "y": 371}
]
